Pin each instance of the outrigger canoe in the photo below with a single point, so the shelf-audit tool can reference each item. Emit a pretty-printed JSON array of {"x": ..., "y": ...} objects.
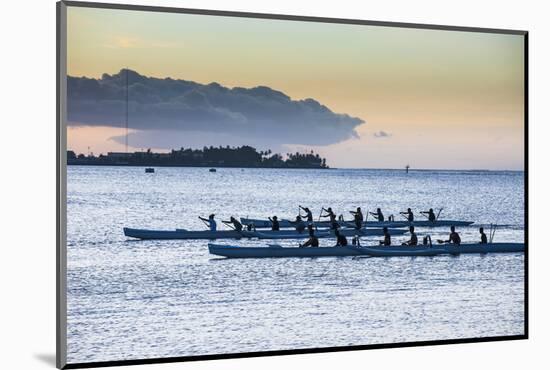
[
  {"x": 264, "y": 234},
  {"x": 271, "y": 251},
  {"x": 261, "y": 224}
]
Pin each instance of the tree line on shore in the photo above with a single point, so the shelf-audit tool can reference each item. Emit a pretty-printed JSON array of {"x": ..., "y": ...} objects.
[{"x": 243, "y": 156}]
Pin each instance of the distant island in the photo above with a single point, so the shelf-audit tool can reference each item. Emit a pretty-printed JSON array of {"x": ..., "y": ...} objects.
[{"x": 244, "y": 156}]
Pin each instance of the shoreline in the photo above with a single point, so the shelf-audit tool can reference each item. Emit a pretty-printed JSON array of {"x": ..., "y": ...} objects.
[
  {"x": 193, "y": 166},
  {"x": 292, "y": 168}
]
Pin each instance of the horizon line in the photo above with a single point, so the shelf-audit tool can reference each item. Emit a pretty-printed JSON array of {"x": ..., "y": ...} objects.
[{"x": 428, "y": 169}]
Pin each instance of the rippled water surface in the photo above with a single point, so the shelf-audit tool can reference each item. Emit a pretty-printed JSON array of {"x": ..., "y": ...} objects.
[{"x": 132, "y": 299}]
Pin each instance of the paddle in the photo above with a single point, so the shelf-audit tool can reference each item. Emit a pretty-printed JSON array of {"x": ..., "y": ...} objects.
[
  {"x": 207, "y": 224},
  {"x": 492, "y": 232},
  {"x": 230, "y": 225},
  {"x": 240, "y": 232},
  {"x": 438, "y": 213},
  {"x": 319, "y": 218}
]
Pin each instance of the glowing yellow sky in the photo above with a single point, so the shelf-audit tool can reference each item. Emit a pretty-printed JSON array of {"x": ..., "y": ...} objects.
[{"x": 447, "y": 99}]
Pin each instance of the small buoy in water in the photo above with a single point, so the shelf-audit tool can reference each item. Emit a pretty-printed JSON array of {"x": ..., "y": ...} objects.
[
  {"x": 149, "y": 170},
  {"x": 212, "y": 170}
]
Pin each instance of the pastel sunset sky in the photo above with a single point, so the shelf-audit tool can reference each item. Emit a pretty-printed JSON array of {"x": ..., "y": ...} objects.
[{"x": 428, "y": 98}]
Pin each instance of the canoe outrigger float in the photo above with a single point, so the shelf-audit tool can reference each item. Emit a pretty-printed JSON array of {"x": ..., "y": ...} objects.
[
  {"x": 271, "y": 251},
  {"x": 264, "y": 234},
  {"x": 262, "y": 224}
]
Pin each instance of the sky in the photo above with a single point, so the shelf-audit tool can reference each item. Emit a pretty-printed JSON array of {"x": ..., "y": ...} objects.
[{"x": 361, "y": 96}]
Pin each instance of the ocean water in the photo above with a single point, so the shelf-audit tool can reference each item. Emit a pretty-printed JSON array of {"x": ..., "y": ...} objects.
[{"x": 130, "y": 299}]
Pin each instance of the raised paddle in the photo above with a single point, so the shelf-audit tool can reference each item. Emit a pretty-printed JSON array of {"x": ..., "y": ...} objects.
[
  {"x": 320, "y": 213},
  {"x": 438, "y": 213}
]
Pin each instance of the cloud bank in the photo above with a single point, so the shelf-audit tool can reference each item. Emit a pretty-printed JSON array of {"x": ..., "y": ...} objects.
[{"x": 168, "y": 113}]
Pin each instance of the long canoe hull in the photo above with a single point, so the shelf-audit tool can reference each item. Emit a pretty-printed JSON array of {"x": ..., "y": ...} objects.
[
  {"x": 320, "y": 233},
  {"x": 396, "y": 251},
  {"x": 262, "y": 224},
  {"x": 180, "y": 234},
  {"x": 400, "y": 252},
  {"x": 265, "y": 234}
]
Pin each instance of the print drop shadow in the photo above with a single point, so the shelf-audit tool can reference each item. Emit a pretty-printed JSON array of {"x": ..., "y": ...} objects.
[{"x": 47, "y": 358}]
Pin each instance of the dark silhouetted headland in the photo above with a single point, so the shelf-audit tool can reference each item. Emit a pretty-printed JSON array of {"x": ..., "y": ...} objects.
[{"x": 244, "y": 156}]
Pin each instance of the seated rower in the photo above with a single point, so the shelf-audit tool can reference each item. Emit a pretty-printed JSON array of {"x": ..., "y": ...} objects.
[
  {"x": 329, "y": 213},
  {"x": 409, "y": 214},
  {"x": 299, "y": 224},
  {"x": 341, "y": 240},
  {"x": 431, "y": 215},
  {"x": 274, "y": 223},
  {"x": 413, "y": 240},
  {"x": 357, "y": 218},
  {"x": 378, "y": 215},
  {"x": 334, "y": 225},
  {"x": 236, "y": 224},
  {"x": 483, "y": 236},
  {"x": 211, "y": 222},
  {"x": 387, "y": 237},
  {"x": 312, "y": 241},
  {"x": 309, "y": 215},
  {"x": 454, "y": 238}
]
